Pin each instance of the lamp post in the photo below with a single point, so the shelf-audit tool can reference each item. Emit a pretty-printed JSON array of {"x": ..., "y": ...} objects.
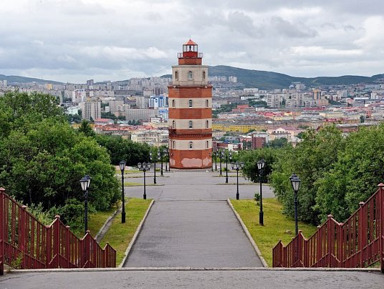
[
  {"x": 166, "y": 154},
  {"x": 260, "y": 167},
  {"x": 153, "y": 160},
  {"x": 144, "y": 167},
  {"x": 295, "y": 182},
  {"x": 122, "y": 167},
  {"x": 160, "y": 153},
  {"x": 215, "y": 155},
  {"x": 211, "y": 155},
  {"x": 85, "y": 182},
  {"x": 237, "y": 166},
  {"x": 228, "y": 156},
  {"x": 221, "y": 155}
]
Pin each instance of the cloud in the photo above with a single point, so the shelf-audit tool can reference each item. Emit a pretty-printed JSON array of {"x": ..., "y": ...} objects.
[{"x": 76, "y": 38}]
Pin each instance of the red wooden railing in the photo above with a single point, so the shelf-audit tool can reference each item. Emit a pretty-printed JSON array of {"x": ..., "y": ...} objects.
[
  {"x": 28, "y": 244},
  {"x": 357, "y": 243}
]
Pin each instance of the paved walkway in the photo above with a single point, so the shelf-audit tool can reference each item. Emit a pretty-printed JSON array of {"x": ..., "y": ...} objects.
[
  {"x": 191, "y": 225},
  {"x": 171, "y": 279},
  {"x": 178, "y": 233}
]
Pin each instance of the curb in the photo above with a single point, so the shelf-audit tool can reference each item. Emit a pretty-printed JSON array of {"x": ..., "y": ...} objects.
[
  {"x": 135, "y": 236},
  {"x": 257, "y": 250},
  {"x": 110, "y": 218},
  {"x": 144, "y": 269}
]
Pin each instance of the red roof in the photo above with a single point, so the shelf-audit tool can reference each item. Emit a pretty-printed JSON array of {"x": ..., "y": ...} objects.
[{"x": 190, "y": 42}]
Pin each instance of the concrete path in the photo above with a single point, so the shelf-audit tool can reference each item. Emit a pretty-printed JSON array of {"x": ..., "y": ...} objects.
[
  {"x": 207, "y": 185},
  {"x": 172, "y": 279},
  {"x": 191, "y": 225},
  {"x": 183, "y": 214}
]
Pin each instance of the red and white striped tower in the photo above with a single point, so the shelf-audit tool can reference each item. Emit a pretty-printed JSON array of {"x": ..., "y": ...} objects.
[{"x": 190, "y": 111}]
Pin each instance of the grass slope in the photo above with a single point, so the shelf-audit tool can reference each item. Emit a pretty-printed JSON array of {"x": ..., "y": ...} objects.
[
  {"x": 276, "y": 225},
  {"x": 119, "y": 235}
]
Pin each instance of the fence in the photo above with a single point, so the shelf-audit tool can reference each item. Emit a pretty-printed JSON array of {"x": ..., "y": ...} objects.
[
  {"x": 357, "y": 243},
  {"x": 28, "y": 244}
]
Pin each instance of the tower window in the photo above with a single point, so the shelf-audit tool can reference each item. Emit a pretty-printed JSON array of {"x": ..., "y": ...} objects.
[
  {"x": 173, "y": 124},
  {"x": 190, "y": 124},
  {"x": 190, "y": 103},
  {"x": 203, "y": 75},
  {"x": 176, "y": 75},
  {"x": 207, "y": 103},
  {"x": 207, "y": 144},
  {"x": 173, "y": 103},
  {"x": 207, "y": 124},
  {"x": 190, "y": 144},
  {"x": 190, "y": 75},
  {"x": 173, "y": 144}
]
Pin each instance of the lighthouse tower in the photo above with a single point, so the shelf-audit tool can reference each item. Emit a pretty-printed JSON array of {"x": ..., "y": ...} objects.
[{"x": 190, "y": 111}]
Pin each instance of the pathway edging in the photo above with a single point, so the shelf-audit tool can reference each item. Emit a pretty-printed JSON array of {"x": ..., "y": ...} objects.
[
  {"x": 99, "y": 236},
  {"x": 257, "y": 250},
  {"x": 135, "y": 236}
]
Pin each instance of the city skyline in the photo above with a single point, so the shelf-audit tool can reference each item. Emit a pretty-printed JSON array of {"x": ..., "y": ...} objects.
[{"x": 74, "y": 40}]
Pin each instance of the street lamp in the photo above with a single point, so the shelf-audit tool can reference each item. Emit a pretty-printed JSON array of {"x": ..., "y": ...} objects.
[
  {"x": 85, "y": 182},
  {"x": 221, "y": 155},
  {"x": 160, "y": 154},
  {"x": 211, "y": 155},
  {"x": 144, "y": 167},
  {"x": 228, "y": 156},
  {"x": 122, "y": 167},
  {"x": 260, "y": 167},
  {"x": 153, "y": 160},
  {"x": 237, "y": 166},
  {"x": 295, "y": 182},
  {"x": 166, "y": 153},
  {"x": 215, "y": 155}
]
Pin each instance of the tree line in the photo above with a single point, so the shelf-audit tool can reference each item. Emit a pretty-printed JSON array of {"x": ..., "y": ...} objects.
[
  {"x": 42, "y": 158},
  {"x": 336, "y": 171}
]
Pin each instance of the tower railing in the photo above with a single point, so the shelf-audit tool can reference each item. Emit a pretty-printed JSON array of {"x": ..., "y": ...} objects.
[
  {"x": 356, "y": 243},
  {"x": 26, "y": 243}
]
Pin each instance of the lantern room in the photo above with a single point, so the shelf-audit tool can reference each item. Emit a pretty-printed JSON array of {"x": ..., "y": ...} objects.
[{"x": 190, "y": 54}]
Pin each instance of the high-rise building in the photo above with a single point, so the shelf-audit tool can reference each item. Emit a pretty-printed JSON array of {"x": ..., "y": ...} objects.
[
  {"x": 91, "y": 110},
  {"x": 190, "y": 111}
]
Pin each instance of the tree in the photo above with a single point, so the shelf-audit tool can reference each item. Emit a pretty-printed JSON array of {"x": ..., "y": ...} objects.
[
  {"x": 250, "y": 159},
  {"x": 310, "y": 160},
  {"x": 122, "y": 149},
  {"x": 358, "y": 170},
  {"x": 42, "y": 158},
  {"x": 86, "y": 128},
  {"x": 277, "y": 143}
]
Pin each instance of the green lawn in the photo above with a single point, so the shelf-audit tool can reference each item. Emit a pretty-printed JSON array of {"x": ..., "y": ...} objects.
[
  {"x": 132, "y": 184},
  {"x": 119, "y": 235},
  {"x": 97, "y": 220},
  {"x": 276, "y": 225}
]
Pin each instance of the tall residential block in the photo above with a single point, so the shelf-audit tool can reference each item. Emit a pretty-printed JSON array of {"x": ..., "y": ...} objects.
[{"x": 190, "y": 111}]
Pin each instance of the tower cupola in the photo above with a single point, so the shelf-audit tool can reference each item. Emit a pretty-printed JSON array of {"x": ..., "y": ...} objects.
[{"x": 190, "y": 54}]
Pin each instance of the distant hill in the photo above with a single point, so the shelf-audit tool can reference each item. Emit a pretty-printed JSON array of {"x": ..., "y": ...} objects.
[
  {"x": 272, "y": 80},
  {"x": 249, "y": 78},
  {"x": 14, "y": 80}
]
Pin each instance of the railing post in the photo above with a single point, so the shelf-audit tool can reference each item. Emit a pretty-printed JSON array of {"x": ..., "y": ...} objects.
[
  {"x": 329, "y": 240},
  {"x": 340, "y": 245},
  {"x": 22, "y": 234},
  {"x": 2, "y": 231},
  {"x": 299, "y": 249},
  {"x": 361, "y": 233},
  {"x": 306, "y": 253},
  {"x": 56, "y": 241},
  {"x": 48, "y": 248},
  {"x": 67, "y": 246},
  {"x": 381, "y": 226}
]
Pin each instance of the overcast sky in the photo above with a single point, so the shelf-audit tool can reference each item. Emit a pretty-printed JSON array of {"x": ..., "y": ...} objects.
[{"x": 76, "y": 40}]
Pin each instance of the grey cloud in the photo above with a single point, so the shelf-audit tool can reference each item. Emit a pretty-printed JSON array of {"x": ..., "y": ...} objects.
[
  {"x": 242, "y": 23},
  {"x": 288, "y": 29}
]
